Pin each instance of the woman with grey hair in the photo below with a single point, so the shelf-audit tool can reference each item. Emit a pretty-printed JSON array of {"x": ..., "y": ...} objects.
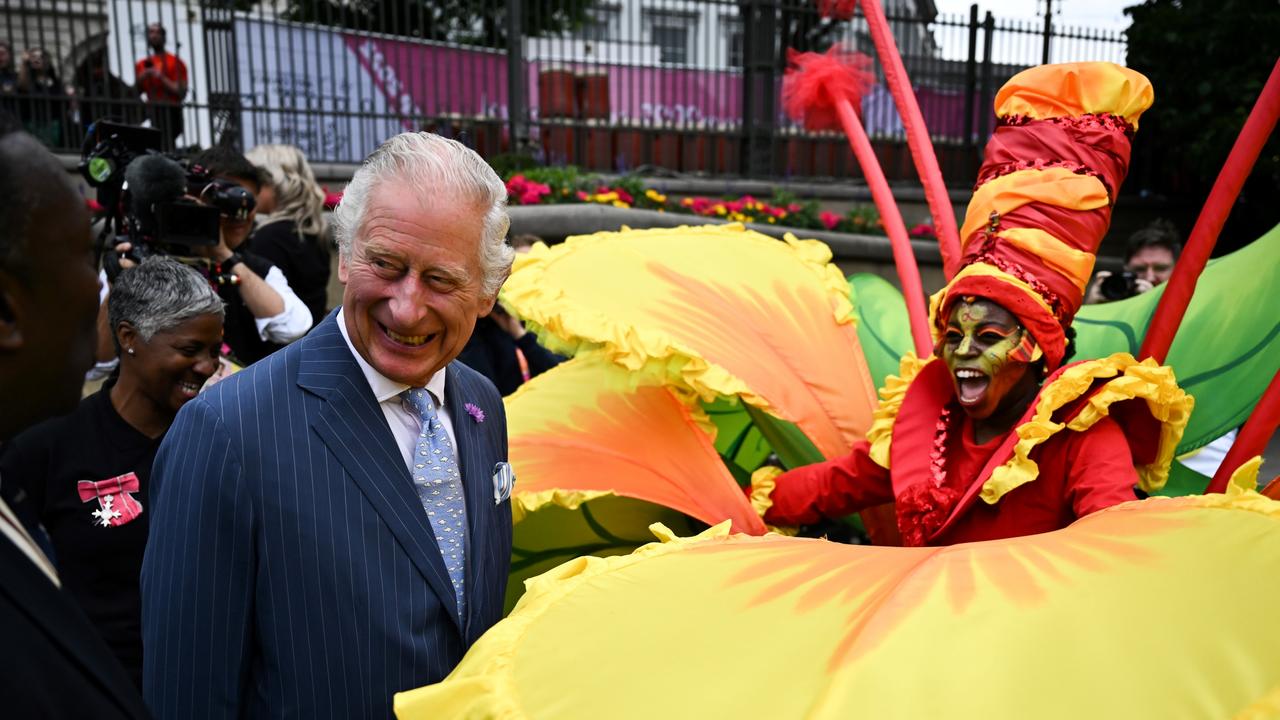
[
  {"x": 293, "y": 231},
  {"x": 87, "y": 473}
]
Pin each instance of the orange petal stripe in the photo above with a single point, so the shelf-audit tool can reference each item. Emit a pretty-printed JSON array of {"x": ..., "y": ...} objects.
[
  {"x": 1074, "y": 89},
  {"x": 1062, "y": 258},
  {"x": 1055, "y": 186},
  {"x": 580, "y": 430}
]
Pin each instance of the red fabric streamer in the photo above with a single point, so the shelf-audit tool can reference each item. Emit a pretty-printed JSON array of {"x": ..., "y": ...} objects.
[
  {"x": 1253, "y": 437},
  {"x": 823, "y": 90},
  {"x": 926, "y": 161},
  {"x": 1178, "y": 291}
]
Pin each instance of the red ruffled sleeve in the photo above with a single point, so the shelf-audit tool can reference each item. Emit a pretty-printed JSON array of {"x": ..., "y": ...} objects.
[{"x": 831, "y": 489}]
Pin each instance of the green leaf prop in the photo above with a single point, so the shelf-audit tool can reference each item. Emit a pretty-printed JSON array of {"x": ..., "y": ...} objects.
[
  {"x": 1228, "y": 346},
  {"x": 883, "y": 328}
]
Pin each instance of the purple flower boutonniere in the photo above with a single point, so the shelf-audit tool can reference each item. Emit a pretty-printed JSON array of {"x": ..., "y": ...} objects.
[{"x": 475, "y": 412}]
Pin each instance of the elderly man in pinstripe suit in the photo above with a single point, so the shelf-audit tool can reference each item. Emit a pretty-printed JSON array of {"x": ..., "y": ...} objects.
[{"x": 332, "y": 525}]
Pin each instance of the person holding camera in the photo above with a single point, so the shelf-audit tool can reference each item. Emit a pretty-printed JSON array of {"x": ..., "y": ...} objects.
[
  {"x": 1148, "y": 262},
  {"x": 263, "y": 311},
  {"x": 87, "y": 474}
]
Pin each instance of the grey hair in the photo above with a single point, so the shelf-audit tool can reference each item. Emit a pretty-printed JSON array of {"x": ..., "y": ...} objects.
[
  {"x": 298, "y": 195},
  {"x": 159, "y": 295},
  {"x": 428, "y": 162}
]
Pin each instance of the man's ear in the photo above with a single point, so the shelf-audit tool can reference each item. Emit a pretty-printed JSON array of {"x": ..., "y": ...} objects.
[
  {"x": 342, "y": 268},
  {"x": 11, "y": 312}
]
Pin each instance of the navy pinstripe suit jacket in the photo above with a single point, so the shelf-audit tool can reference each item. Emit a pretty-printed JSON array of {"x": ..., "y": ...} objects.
[{"x": 291, "y": 570}]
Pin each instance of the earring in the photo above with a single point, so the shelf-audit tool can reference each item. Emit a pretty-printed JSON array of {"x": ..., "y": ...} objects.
[{"x": 129, "y": 350}]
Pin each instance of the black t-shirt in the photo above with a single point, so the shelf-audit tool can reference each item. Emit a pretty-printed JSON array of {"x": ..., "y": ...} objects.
[
  {"x": 304, "y": 260},
  {"x": 492, "y": 353},
  {"x": 98, "y": 564}
]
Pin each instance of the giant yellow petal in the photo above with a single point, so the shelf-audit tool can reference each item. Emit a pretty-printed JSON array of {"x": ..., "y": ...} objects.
[
  {"x": 1152, "y": 609},
  {"x": 718, "y": 310}
]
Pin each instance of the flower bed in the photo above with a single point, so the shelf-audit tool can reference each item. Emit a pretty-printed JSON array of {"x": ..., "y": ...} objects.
[{"x": 559, "y": 185}]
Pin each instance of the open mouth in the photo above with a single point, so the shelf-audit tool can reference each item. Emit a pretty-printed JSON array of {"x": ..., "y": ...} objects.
[
  {"x": 188, "y": 389},
  {"x": 971, "y": 385},
  {"x": 411, "y": 341}
]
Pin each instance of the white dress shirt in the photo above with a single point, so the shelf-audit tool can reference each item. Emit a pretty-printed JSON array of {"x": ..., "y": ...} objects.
[
  {"x": 404, "y": 424},
  {"x": 294, "y": 321}
]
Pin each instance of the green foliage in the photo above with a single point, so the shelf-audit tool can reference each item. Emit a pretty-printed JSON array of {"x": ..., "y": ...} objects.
[
  {"x": 1208, "y": 61},
  {"x": 508, "y": 164},
  {"x": 470, "y": 22}
]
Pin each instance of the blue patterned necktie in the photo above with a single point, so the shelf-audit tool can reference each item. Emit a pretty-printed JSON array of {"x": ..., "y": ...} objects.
[{"x": 439, "y": 485}]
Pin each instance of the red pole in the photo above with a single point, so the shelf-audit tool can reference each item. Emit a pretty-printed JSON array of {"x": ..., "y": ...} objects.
[
  {"x": 926, "y": 161},
  {"x": 903, "y": 256},
  {"x": 1181, "y": 286},
  {"x": 1253, "y": 437}
]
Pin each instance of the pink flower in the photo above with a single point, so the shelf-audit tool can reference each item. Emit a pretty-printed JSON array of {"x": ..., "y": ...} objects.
[
  {"x": 923, "y": 230},
  {"x": 475, "y": 412},
  {"x": 829, "y": 219}
]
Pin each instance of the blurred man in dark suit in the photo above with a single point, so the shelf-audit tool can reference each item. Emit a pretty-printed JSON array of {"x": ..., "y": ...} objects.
[{"x": 53, "y": 663}]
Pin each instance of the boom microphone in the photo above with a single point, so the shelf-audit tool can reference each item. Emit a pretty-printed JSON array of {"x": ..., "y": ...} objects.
[{"x": 153, "y": 180}]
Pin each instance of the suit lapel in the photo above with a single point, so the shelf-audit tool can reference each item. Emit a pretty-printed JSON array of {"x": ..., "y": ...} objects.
[
  {"x": 352, "y": 426},
  {"x": 66, "y": 626},
  {"x": 476, "y": 479}
]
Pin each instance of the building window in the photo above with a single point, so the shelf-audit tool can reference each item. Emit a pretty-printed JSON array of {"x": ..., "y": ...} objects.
[
  {"x": 603, "y": 24},
  {"x": 732, "y": 27},
  {"x": 673, "y": 33}
]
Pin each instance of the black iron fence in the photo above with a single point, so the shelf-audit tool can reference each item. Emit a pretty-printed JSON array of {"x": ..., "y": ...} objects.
[{"x": 686, "y": 86}]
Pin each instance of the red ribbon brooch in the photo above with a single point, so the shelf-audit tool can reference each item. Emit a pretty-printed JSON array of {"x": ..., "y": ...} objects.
[{"x": 116, "y": 506}]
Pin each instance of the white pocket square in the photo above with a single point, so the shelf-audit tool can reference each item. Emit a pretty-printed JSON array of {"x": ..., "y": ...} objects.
[{"x": 503, "y": 480}]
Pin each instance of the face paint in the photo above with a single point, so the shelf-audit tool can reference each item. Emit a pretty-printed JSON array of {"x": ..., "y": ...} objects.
[{"x": 987, "y": 352}]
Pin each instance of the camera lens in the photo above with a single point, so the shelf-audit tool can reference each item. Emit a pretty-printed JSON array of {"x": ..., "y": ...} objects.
[{"x": 1119, "y": 286}]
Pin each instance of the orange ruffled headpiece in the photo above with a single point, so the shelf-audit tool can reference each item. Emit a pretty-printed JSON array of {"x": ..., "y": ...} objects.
[{"x": 1044, "y": 194}]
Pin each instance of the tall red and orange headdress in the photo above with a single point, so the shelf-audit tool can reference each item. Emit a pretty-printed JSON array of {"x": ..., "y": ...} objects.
[{"x": 1044, "y": 194}]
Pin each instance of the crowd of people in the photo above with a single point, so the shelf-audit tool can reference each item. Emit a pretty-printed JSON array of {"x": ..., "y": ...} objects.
[
  {"x": 331, "y": 523},
  {"x": 55, "y": 108}
]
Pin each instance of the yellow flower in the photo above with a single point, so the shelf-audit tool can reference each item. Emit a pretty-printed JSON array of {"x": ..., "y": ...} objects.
[
  {"x": 720, "y": 210},
  {"x": 619, "y": 203},
  {"x": 769, "y": 220},
  {"x": 655, "y": 196}
]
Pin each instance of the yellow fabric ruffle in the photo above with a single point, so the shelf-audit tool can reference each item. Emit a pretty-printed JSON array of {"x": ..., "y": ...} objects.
[
  {"x": 880, "y": 436},
  {"x": 1074, "y": 89},
  {"x": 523, "y": 504},
  {"x": 1245, "y": 477},
  {"x": 763, "y": 482},
  {"x": 1129, "y": 379}
]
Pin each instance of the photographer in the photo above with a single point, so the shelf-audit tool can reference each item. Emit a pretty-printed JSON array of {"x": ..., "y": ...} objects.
[
  {"x": 263, "y": 312},
  {"x": 1148, "y": 262}
]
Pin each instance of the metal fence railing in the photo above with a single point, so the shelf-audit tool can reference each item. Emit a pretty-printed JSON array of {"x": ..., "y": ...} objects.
[{"x": 615, "y": 85}]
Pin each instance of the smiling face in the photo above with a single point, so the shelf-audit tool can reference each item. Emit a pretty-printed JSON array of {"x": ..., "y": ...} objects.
[
  {"x": 171, "y": 367},
  {"x": 413, "y": 281},
  {"x": 984, "y": 350}
]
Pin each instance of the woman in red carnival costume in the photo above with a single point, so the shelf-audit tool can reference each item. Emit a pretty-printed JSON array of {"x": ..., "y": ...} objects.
[{"x": 993, "y": 436}]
